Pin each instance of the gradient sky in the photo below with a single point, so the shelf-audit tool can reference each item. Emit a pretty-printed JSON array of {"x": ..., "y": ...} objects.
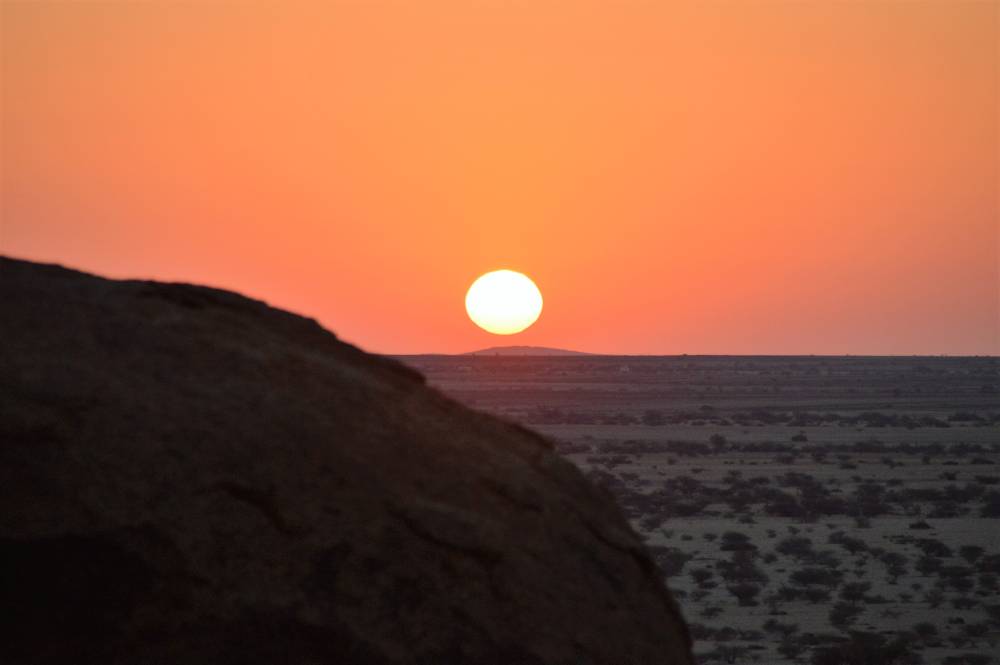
[{"x": 704, "y": 177}]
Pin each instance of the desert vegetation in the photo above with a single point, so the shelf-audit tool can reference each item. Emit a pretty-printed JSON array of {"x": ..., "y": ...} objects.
[{"x": 803, "y": 510}]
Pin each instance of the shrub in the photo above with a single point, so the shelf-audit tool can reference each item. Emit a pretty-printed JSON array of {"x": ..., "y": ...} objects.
[
  {"x": 971, "y": 553},
  {"x": 813, "y": 576},
  {"x": 929, "y": 565},
  {"x": 785, "y": 505},
  {"x": 701, "y": 576},
  {"x": 844, "y": 615},
  {"x": 797, "y": 547},
  {"x": 783, "y": 629},
  {"x": 934, "y": 598},
  {"x": 740, "y": 568},
  {"x": 711, "y": 611},
  {"x": 854, "y": 592},
  {"x": 867, "y": 649},
  {"x": 817, "y": 594},
  {"x": 932, "y": 547},
  {"x": 733, "y": 541},
  {"x": 968, "y": 659},
  {"x": 670, "y": 560},
  {"x": 653, "y": 417},
  {"x": 989, "y": 564},
  {"x": 991, "y": 504},
  {"x": 895, "y": 565},
  {"x": 790, "y": 649},
  {"x": 852, "y": 545},
  {"x": 745, "y": 592},
  {"x": 964, "y": 603},
  {"x": 925, "y": 630},
  {"x": 958, "y": 578},
  {"x": 870, "y": 500},
  {"x": 977, "y": 630},
  {"x": 824, "y": 558}
]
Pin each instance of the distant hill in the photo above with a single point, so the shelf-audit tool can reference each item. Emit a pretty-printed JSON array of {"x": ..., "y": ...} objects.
[
  {"x": 191, "y": 476},
  {"x": 525, "y": 351}
]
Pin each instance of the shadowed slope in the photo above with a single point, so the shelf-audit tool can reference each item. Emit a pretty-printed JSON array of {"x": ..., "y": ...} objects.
[{"x": 188, "y": 475}]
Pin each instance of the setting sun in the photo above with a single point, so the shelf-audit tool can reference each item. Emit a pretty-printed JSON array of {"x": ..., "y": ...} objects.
[{"x": 503, "y": 302}]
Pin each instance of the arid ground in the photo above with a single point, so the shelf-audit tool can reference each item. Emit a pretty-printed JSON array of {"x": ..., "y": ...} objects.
[{"x": 791, "y": 501}]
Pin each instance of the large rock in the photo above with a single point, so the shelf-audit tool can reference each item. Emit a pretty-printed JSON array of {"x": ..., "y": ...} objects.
[{"x": 190, "y": 476}]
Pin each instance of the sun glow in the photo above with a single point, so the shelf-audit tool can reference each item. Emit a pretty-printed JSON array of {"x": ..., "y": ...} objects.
[{"x": 503, "y": 302}]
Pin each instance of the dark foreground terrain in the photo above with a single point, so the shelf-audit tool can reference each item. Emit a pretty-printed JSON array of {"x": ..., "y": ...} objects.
[
  {"x": 190, "y": 476},
  {"x": 805, "y": 509}
]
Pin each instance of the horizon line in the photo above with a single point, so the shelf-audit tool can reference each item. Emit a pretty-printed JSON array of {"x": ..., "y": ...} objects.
[{"x": 588, "y": 354}]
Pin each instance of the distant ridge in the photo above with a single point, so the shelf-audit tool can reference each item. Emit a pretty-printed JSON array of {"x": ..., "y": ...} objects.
[{"x": 525, "y": 351}]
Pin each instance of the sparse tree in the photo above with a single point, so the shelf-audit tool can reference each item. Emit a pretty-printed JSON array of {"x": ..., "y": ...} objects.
[{"x": 895, "y": 565}]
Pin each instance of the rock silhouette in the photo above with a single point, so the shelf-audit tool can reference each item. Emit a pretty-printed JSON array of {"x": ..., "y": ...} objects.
[{"x": 191, "y": 476}]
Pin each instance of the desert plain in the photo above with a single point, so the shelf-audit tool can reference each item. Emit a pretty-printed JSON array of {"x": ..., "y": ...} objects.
[{"x": 796, "y": 505}]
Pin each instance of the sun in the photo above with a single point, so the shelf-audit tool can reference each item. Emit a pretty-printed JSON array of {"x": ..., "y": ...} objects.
[{"x": 503, "y": 302}]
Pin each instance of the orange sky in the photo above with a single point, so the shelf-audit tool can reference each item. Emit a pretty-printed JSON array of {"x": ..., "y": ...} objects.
[{"x": 704, "y": 177}]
